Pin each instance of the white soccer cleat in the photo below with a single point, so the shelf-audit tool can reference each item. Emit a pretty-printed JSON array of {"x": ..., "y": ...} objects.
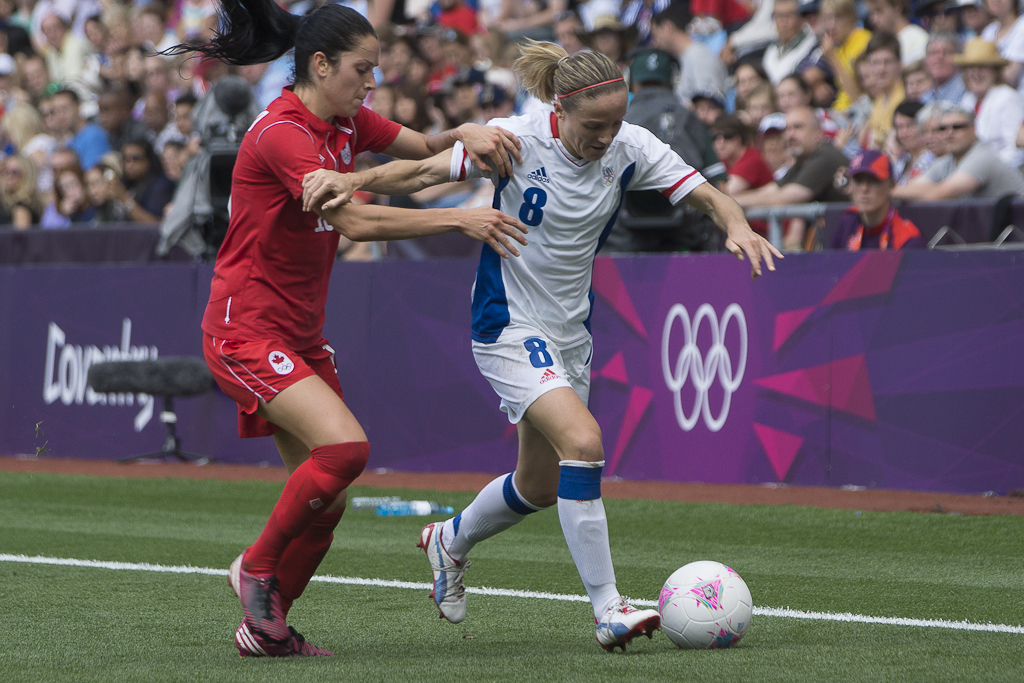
[
  {"x": 234, "y": 574},
  {"x": 623, "y": 622},
  {"x": 449, "y": 593}
]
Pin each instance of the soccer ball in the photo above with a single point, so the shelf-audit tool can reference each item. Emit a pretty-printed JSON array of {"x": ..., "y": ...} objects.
[{"x": 705, "y": 605}]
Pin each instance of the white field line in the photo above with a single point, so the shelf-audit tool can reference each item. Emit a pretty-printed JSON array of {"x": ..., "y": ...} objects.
[{"x": 504, "y": 592}]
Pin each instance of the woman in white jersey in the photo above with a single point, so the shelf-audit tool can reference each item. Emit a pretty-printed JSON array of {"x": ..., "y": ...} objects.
[{"x": 530, "y": 315}]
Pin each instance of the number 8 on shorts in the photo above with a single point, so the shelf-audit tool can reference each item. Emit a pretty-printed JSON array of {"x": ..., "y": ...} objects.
[{"x": 538, "y": 349}]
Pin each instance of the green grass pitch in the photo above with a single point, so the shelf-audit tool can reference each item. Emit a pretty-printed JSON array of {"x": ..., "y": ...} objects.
[{"x": 83, "y": 624}]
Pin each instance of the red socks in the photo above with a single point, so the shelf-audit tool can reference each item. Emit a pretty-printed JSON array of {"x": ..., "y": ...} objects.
[
  {"x": 302, "y": 557},
  {"x": 308, "y": 492}
]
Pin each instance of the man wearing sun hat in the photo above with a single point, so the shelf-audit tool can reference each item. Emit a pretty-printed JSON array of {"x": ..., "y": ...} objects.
[
  {"x": 872, "y": 222},
  {"x": 998, "y": 109}
]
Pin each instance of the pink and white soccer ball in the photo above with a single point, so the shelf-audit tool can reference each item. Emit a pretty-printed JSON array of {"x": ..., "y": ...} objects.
[{"x": 705, "y": 605}]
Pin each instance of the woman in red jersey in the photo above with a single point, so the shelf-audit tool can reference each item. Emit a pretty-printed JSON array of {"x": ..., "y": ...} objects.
[{"x": 263, "y": 325}]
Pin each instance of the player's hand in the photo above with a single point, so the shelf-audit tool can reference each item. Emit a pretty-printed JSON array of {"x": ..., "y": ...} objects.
[
  {"x": 744, "y": 241},
  {"x": 322, "y": 183},
  {"x": 494, "y": 228},
  {"x": 485, "y": 143}
]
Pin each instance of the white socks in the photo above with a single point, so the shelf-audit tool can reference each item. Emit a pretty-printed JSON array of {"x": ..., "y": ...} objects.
[
  {"x": 581, "y": 512},
  {"x": 496, "y": 508}
]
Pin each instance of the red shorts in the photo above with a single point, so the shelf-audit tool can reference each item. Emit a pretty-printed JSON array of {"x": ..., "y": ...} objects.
[{"x": 250, "y": 372}]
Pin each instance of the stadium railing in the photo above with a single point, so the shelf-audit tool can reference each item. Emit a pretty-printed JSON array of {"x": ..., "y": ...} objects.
[
  {"x": 960, "y": 224},
  {"x": 966, "y": 224},
  {"x": 85, "y": 243}
]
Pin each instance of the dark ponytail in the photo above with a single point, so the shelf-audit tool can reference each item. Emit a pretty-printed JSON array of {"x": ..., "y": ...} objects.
[{"x": 260, "y": 31}]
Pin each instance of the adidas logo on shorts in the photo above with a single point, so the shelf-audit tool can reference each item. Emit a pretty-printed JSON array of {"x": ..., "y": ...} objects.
[
  {"x": 540, "y": 175},
  {"x": 548, "y": 375}
]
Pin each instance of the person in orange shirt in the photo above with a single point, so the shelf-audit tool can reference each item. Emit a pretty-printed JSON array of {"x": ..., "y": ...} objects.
[{"x": 872, "y": 222}]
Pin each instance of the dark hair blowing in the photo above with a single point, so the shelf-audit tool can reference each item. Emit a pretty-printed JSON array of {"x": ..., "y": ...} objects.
[{"x": 260, "y": 31}]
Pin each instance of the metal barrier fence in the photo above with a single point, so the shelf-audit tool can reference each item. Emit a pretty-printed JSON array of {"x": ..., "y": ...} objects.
[
  {"x": 964, "y": 224},
  {"x": 958, "y": 225}
]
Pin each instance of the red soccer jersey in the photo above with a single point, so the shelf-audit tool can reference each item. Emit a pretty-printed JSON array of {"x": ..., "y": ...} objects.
[{"x": 272, "y": 272}]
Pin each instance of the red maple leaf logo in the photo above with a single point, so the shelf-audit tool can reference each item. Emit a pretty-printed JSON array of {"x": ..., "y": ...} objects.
[{"x": 277, "y": 359}]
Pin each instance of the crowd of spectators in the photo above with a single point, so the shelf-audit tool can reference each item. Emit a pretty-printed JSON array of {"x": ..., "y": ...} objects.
[{"x": 772, "y": 98}]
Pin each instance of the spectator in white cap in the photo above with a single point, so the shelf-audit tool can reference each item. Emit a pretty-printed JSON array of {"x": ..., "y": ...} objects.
[
  {"x": 816, "y": 162},
  {"x": 973, "y": 14},
  {"x": 772, "y": 144}
]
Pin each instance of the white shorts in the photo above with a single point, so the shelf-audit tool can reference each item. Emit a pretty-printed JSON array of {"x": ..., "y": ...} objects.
[{"x": 523, "y": 365}]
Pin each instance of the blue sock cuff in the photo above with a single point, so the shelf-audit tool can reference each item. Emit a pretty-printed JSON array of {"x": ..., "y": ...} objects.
[
  {"x": 512, "y": 499},
  {"x": 579, "y": 483},
  {"x": 455, "y": 524}
]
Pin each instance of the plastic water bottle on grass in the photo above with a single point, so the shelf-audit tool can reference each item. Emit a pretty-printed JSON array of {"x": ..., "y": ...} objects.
[
  {"x": 413, "y": 508},
  {"x": 370, "y": 502}
]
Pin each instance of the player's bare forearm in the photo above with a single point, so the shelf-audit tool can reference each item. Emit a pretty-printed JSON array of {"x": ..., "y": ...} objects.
[
  {"x": 407, "y": 177},
  {"x": 728, "y": 216},
  {"x": 372, "y": 223},
  {"x": 330, "y": 190},
  {"x": 721, "y": 208},
  {"x": 442, "y": 141}
]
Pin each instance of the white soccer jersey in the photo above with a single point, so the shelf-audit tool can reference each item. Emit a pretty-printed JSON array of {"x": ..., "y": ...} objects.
[{"x": 570, "y": 206}]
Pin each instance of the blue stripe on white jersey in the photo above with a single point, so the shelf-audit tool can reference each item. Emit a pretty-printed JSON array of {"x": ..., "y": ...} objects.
[
  {"x": 627, "y": 176},
  {"x": 490, "y": 303}
]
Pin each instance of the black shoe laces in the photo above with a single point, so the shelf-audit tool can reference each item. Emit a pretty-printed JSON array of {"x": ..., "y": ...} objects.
[{"x": 265, "y": 598}]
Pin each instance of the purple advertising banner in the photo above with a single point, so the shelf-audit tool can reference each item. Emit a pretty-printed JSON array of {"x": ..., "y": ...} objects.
[{"x": 877, "y": 369}]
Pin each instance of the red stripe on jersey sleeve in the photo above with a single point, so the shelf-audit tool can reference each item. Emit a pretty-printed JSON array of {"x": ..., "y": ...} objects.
[
  {"x": 669, "y": 191},
  {"x": 462, "y": 165}
]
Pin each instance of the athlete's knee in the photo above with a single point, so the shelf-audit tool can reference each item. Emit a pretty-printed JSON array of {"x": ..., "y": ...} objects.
[
  {"x": 585, "y": 445},
  {"x": 339, "y": 504},
  {"x": 346, "y": 461}
]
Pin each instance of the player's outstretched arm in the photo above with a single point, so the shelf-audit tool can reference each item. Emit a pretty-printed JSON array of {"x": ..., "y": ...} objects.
[
  {"x": 728, "y": 216},
  {"x": 482, "y": 143},
  {"x": 372, "y": 223},
  {"x": 395, "y": 177}
]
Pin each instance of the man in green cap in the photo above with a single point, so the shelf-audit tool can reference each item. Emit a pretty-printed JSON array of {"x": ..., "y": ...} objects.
[{"x": 656, "y": 107}]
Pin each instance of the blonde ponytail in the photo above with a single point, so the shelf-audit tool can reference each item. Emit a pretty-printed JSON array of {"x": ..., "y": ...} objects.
[
  {"x": 547, "y": 71},
  {"x": 536, "y": 67}
]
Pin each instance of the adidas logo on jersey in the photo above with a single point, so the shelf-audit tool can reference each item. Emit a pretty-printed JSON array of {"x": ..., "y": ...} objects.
[
  {"x": 549, "y": 374},
  {"x": 539, "y": 175}
]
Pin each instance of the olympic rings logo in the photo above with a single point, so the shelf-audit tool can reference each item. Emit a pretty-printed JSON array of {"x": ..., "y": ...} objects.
[{"x": 689, "y": 365}]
